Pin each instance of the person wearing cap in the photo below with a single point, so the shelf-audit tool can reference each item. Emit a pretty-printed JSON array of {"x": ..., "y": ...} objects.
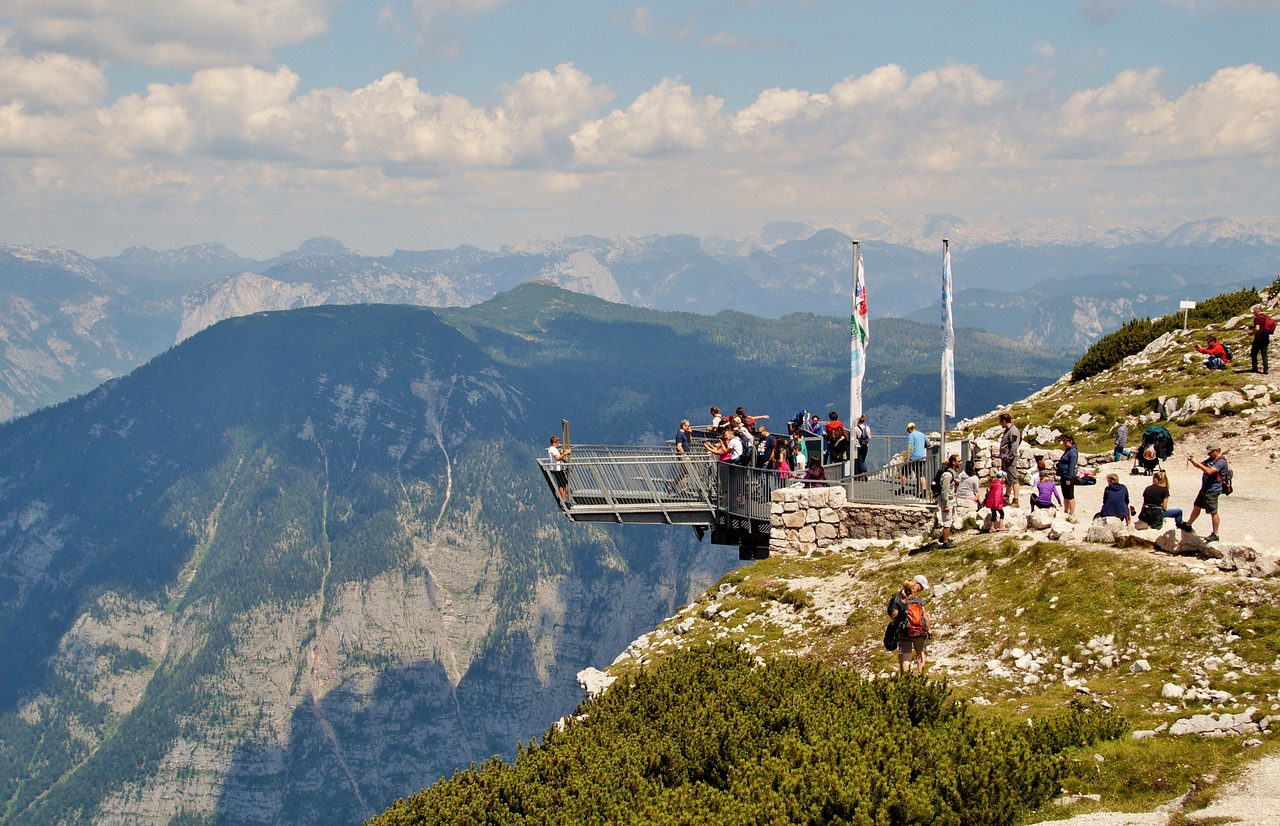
[
  {"x": 914, "y": 468},
  {"x": 1213, "y": 469},
  {"x": 948, "y": 482},
  {"x": 897, "y": 609}
]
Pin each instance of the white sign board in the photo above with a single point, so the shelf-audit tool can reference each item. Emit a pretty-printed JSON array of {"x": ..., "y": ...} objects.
[{"x": 1186, "y": 305}]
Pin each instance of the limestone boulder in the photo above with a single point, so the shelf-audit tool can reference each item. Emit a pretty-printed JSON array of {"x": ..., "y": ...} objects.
[
  {"x": 1062, "y": 530},
  {"x": 1104, "y": 530},
  {"x": 1249, "y": 559},
  {"x": 1041, "y": 519}
]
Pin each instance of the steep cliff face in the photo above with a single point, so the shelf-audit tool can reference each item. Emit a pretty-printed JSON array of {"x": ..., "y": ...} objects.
[{"x": 291, "y": 570}]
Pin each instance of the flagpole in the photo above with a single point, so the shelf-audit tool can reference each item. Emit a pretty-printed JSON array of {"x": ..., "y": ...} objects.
[
  {"x": 947, "y": 344},
  {"x": 855, "y": 368}
]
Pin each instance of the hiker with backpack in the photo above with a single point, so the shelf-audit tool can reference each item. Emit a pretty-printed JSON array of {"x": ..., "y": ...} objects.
[
  {"x": 907, "y": 617},
  {"x": 1217, "y": 352},
  {"x": 1215, "y": 482},
  {"x": 863, "y": 432},
  {"x": 1263, "y": 326}
]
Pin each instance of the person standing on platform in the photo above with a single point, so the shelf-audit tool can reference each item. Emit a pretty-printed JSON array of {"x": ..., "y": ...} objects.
[
  {"x": 948, "y": 484},
  {"x": 914, "y": 468},
  {"x": 863, "y": 435},
  {"x": 555, "y": 463}
]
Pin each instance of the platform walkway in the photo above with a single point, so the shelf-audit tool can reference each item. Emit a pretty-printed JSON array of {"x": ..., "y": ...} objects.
[{"x": 659, "y": 485}]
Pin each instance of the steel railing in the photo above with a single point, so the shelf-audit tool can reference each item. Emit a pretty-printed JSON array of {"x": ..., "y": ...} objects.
[
  {"x": 622, "y": 483},
  {"x": 637, "y": 484},
  {"x": 893, "y": 478}
]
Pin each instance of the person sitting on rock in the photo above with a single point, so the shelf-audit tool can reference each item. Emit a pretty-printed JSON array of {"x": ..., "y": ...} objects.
[
  {"x": 1046, "y": 492},
  {"x": 1216, "y": 352},
  {"x": 1155, "y": 503},
  {"x": 1115, "y": 501}
]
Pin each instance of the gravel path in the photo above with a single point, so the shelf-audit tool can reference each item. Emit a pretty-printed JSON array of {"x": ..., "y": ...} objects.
[{"x": 1248, "y": 515}]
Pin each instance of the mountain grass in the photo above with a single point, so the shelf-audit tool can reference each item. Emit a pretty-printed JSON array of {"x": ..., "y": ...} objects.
[{"x": 1134, "y": 390}]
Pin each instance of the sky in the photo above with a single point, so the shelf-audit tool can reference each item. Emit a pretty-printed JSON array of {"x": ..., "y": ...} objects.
[{"x": 423, "y": 124}]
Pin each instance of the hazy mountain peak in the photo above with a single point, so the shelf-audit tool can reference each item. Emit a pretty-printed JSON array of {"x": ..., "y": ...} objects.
[
  {"x": 64, "y": 259},
  {"x": 321, "y": 245}
]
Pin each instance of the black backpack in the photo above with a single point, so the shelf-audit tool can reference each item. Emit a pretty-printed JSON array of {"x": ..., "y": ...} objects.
[
  {"x": 1228, "y": 476},
  {"x": 936, "y": 484}
]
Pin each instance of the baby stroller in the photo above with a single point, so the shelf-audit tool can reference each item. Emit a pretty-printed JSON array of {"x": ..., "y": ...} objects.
[{"x": 1157, "y": 445}]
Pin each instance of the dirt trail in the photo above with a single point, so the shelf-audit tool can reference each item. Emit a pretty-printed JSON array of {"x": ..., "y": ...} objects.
[{"x": 1251, "y": 514}]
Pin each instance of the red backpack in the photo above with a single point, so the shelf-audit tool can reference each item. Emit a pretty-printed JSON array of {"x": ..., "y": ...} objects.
[
  {"x": 916, "y": 624},
  {"x": 1268, "y": 324}
]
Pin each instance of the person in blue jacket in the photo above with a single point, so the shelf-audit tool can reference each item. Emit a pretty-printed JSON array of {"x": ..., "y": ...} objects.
[
  {"x": 1067, "y": 466},
  {"x": 1115, "y": 500}
]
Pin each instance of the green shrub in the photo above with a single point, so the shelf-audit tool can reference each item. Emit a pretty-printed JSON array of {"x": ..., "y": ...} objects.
[
  {"x": 1116, "y": 346},
  {"x": 707, "y": 737}
]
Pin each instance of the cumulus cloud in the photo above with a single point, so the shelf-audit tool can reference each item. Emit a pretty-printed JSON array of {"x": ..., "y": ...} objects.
[
  {"x": 665, "y": 120},
  {"x": 181, "y": 33},
  {"x": 47, "y": 80},
  {"x": 555, "y": 148}
]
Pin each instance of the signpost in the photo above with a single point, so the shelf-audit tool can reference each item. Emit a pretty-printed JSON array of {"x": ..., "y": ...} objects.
[{"x": 1185, "y": 306}]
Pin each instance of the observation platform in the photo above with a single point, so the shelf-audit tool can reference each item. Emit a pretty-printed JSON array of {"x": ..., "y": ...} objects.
[{"x": 660, "y": 486}]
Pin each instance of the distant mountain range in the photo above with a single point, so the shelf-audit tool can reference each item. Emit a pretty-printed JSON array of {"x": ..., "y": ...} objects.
[
  {"x": 69, "y": 322},
  {"x": 302, "y": 563}
]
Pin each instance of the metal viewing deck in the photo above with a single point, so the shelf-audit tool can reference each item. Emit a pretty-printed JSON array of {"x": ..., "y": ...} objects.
[{"x": 661, "y": 486}]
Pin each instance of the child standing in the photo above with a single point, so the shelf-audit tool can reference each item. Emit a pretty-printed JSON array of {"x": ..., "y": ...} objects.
[{"x": 995, "y": 503}]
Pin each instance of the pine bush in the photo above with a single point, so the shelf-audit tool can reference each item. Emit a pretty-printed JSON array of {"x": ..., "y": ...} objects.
[
  {"x": 1116, "y": 346},
  {"x": 710, "y": 737}
]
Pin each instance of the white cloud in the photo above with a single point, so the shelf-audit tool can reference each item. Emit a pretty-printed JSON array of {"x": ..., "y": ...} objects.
[
  {"x": 666, "y": 119},
  {"x": 644, "y": 23},
  {"x": 242, "y": 144},
  {"x": 182, "y": 33},
  {"x": 48, "y": 80}
]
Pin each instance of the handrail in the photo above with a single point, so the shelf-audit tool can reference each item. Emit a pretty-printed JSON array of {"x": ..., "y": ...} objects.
[
  {"x": 644, "y": 483},
  {"x": 630, "y": 481}
]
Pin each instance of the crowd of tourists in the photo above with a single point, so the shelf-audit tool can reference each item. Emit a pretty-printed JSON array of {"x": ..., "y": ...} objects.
[
  {"x": 1055, "y": 486},
  {"x": 745, "y": 439}
]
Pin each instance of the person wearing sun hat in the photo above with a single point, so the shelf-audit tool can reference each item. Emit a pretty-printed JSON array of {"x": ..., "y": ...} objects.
[{"x": 1214, "y": 470}]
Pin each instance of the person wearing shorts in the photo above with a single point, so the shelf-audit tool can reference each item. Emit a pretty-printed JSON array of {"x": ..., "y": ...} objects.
[
  {"x": 555, "y": 463},
  {"x": 1213, "y": 469},
  {"x": 912, "y": 648}
]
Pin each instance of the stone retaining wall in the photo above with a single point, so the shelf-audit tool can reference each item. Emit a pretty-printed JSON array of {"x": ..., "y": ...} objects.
[{"x": 803, "y": 519}]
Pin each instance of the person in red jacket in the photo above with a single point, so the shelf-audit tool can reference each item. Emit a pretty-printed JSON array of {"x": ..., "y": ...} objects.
[{"x": 1217, "y": 354}]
